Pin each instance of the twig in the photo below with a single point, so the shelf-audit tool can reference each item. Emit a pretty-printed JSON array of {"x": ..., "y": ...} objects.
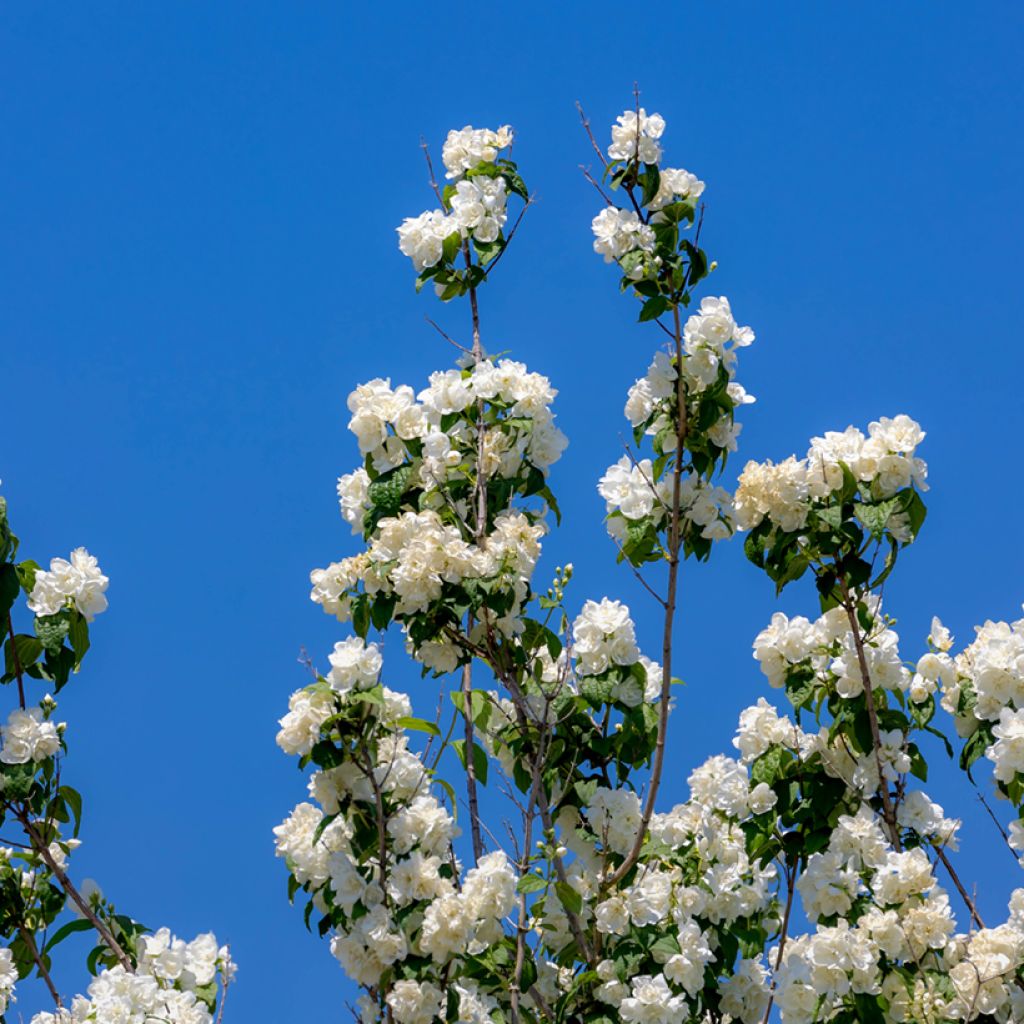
[
  {"x": 17, "y": 662},
  {"x": 30, "y": 942},
  {"x": 447, "y": 337},
  {"x": 593, "y": 181},
  {"x": 964, "y": 895},
  {"x": 590, "y": 134},
  {"x": 888, "y": 812},
  {"x": 674, "y": 543},
  {"x": 515, "y": 227},
  {"x": 73, "y": 894},
  {"x": 430, "y": 169}
]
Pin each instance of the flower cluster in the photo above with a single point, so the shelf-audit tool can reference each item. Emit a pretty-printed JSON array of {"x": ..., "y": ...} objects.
[
  {"x": 29, "y": 735},
  {"x": 77, "y": 582},
  {"x": 433, "y": 500},
  {"x": 472, "y": 213},
  {"x": 674, "y": 925},
  {"x": 175, "y": 981},
  {"x": 374, "y": 850},
  {"x": 697, "y": 411},
  {"x": 880, "y": 468},
  {"x": 984, "y": 691},
  {"x": 8, "y": 977}
]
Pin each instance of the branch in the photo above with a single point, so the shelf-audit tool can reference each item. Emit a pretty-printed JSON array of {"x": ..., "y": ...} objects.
[
  {"x": 17, "y": 662},
  {"x": 888, "y": 812},
  {"x": 515, "y": 227},
  {"x": 74, "y": 895},
  {"x": 590, "y": 134},
  {"x": 674, "y": 543},
  {"x": 447, "y": 337},
  {"x": 30, "y": 942},
  {"x": 430, "y": 169}
]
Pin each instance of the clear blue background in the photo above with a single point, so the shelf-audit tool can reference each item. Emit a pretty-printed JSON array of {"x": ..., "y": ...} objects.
[{"x": 198, "y": 262}]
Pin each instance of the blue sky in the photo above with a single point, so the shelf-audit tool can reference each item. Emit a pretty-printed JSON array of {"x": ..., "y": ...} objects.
[{"x": 198, "y": 260}]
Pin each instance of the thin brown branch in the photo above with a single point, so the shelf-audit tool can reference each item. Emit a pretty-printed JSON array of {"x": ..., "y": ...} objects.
[
  {"x": 430, "y": 170},
  {"x": 17, "y": 662},
  {"x": 447, "y": 337},
  {"x": 888, "y": 811},
  {"x": 790, "y": 887},
  {"x": 964, "y": 895},
  {"x": 515, "y": 227},
  {"x": 43, "y": 851},
  {"x": 674, "y": 544},
  {"x": 593, "y": 181},
  {"x": 590, "y": 134},
  {"x": 29, "y": 939}
]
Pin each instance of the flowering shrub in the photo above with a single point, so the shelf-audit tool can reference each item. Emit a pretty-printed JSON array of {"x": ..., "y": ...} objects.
[
  {"x": 804, "y": 876},
  {"x": 603, "y": 908},
  {"x": 139, "y": 975}
]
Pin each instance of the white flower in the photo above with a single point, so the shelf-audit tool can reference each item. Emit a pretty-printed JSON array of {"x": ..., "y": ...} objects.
[
  {"x": 463, "y": 150},
  {"x": 617, "y": 232},
  {"x": 78, "y": 581},
  {"x": 651, "y": 1001},
  {"x": 422, "y": 238},
  {"x": 636, "y": 135},
  {"x": 27, "y": 736}
]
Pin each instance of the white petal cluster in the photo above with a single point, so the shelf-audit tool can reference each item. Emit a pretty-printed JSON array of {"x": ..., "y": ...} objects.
[
  {"x": 28, "y": 736},
  {"x": 676, "y": 184},
  {"x": 883, "y": 464},
  {"x": 604, "y": 635},
  {"x": 468, "y": 148},
  {"x": 617, "y": 232},
  {"x": 635, "y": 134},
  {"x": 354, "y": 498},
  {"x": 710, "y": 339},
  {"x": 8, "y": 978},
  {"x": 385, "y": 420},
  {"x": 632, "y": 494},
  {"x": 885, "y": 458},
  {"x": 422, "y": 238},
  {"x": 478, "y": 207},
  {"x": 77, "y": 580},
  {"x": 164, "y": 986}
]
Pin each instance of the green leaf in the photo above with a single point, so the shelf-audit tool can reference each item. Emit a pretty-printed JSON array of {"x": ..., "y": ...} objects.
[
  {"x": 74, "y": 800},
  {"x": 480, "y": 762},
  {"x": 9, "y": 589},
  {"x": 78, "y": 635},
  {"x": 569, "y": 897},
  {"x": 78, "y": 925},
  {"x": 653, "y": 308},
  {"x": 531, "y": 883},
  {"x": 28, "y": 648},
  {"x": 419, "y": 724},
  {"x": 651, "y": 179}
]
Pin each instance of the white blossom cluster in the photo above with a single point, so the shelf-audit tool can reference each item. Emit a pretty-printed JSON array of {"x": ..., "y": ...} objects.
[
  {"x": 883, "y": 464},
  {"x": 475, "y": 207},
  {"x": 174, "y": 982},
  {"x": 78, "y": 581},
  {"x": 635, "y": 134},
  {"x": 618, "y": 232},
  {"x": 986, "y": 689},
  {"x": 8, "y": 978},
  {"x": 463, "y": 150},
  {"x": 29, "y": 735},
  {"x": 701, "y": 885},
  {"x": 894, "y": 936},
  {"x": 369, "y": 900},
  {"x": 633, "y": 492},
  {"x": 395, "y": 426},
  {"x": 604, "y": 635},
  {"x": 825, "y": 649}
]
